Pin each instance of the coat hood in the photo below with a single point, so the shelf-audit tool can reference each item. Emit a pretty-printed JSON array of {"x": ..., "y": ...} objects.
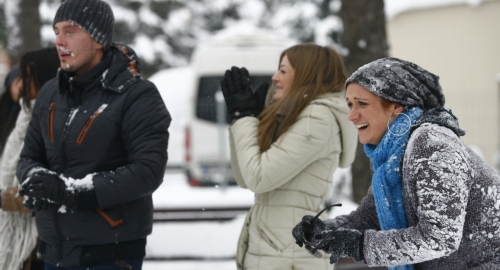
[
  {"x": 125, "y": 69},
  {"x": 349, "y": 135}
]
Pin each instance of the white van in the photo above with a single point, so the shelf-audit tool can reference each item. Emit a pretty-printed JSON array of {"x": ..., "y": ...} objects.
[
  {"x": 207, "y": 148},
  {"x": 174, "y": 85}
]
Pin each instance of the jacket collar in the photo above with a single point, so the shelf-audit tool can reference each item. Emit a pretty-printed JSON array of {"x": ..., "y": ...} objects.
[
  {"x": 86, "y": 81},
  {"x": 118, "y": 69},
  {"x": 125, "y": 69}
]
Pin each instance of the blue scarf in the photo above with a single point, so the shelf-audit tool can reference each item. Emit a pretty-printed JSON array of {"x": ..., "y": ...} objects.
[{"x": 386, "y": 160}]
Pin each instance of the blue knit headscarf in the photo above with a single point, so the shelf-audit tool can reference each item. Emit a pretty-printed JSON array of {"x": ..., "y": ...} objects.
[{"x": 420, "y": 93}]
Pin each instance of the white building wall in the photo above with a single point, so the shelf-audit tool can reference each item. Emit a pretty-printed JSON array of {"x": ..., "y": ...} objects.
[{"x": 461, "y": 44}]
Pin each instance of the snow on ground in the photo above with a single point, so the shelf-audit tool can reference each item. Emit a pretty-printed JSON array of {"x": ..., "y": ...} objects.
[
  {"x": 214, "y": 241},
  {"x": 190, "y": 265},
  {"x": 196, "y": 239},
  {"x": 175, "y": 192}
]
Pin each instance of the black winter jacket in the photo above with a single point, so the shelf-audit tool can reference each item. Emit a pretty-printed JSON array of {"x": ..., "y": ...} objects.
[{"x": 111, "y": 125}]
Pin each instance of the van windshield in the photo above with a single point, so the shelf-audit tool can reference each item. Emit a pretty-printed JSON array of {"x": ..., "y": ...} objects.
[{"x": 206, "y": 109}]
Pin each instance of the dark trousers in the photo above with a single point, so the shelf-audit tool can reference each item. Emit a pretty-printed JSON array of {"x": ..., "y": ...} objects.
[{"x": 114, "y": 265}]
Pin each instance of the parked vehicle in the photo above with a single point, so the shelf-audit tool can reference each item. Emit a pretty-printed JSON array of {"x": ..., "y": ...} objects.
[
  {"x": 174, "y": 85},
  {"x": 207, "y": 147}
]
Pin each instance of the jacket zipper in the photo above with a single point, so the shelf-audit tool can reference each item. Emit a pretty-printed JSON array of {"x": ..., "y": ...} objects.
[
  {"x": 51, "y": 121},
  {"x": 51, "y": 139},
  {"x": 87, "y": 126},
  {"x": 59, "y": 235},
  {"x": 64, "y": 164}
]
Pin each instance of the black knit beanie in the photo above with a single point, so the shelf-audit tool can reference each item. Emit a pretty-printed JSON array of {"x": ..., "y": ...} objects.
[
  {"x": 400, "y": 81},
  {"x": 93, "y": 16}
]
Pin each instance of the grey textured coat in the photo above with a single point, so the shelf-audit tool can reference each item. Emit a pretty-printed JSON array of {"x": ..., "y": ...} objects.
[{"x": 452, "y": 204}]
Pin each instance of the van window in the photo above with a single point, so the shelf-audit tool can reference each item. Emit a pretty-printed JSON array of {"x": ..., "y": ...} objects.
[{"x": 209, "y": 85}]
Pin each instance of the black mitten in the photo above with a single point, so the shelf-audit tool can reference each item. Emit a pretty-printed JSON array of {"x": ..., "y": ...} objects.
[
  {"x": 240, "y": 99},
  {"x": 344, "y": 243}
]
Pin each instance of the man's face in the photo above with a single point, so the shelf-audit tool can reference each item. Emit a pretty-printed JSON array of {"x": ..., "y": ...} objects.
[{"x": 78, "y": 51}]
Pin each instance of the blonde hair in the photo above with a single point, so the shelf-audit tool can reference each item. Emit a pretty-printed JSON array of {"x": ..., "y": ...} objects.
[{"x": 318, "y": 70}]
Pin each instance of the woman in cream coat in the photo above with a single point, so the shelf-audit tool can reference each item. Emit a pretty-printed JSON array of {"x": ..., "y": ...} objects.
[{"x": 287, "y": 156}]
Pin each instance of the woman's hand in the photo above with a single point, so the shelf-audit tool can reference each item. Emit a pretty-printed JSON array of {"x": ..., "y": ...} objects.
[
  {"x": 344, "y": 243},
  {"x": 11, "y": 201},
  {"x": 240, "y": 99}
]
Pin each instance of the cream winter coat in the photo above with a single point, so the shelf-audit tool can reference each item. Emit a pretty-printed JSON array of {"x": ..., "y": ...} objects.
[
  {"x": 289, "y": 180},
  {"x": 18, "y": 234}
]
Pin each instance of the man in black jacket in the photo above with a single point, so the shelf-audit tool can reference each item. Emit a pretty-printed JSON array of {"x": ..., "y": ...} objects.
[{"x": 96, "y": 147}]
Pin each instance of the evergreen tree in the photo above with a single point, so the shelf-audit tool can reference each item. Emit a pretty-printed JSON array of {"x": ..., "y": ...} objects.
[{"x": 164, "y": 33}]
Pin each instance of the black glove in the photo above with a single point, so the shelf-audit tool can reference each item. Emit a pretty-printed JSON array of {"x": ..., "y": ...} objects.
[
  {"x": 240, "y": 99},
  {"x": 45, "y": 186},
  {"x": 344, "y": 243},
  {"x": 305, "y": 230},
  {"x": 52, "y": 188},
  {"x": 308, "y": 232},
  {"x": 37, "y": 204}
]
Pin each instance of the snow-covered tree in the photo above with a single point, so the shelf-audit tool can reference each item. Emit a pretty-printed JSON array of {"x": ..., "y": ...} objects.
[
  {"x": 20, "y": 27},
  {"x": 165, "y": 33}
]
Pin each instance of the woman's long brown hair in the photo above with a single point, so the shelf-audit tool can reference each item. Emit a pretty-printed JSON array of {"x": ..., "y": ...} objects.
[{"x": 318, "y": 70}]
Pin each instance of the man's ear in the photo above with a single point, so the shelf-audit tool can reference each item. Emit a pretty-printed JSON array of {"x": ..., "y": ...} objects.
[{"x": 98, "y": 45}]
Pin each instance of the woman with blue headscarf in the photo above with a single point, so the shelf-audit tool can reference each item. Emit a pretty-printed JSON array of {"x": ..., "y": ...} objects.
[{"x": 433, "y": 203}]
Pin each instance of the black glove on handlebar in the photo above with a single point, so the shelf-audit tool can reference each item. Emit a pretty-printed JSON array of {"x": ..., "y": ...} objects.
[{"x": 240, "y": 99}]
